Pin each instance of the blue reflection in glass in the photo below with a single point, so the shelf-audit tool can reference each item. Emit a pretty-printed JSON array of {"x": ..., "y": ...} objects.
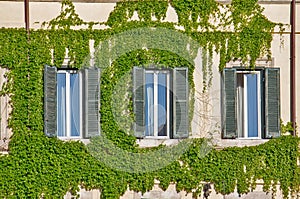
[
  {"x": 162, "y": 104},
  {"x": 61, "y": 104},
  {"x": 74, "y": 100},
  {"x": 149, "y": 104},
  {"x": 252, "y": 105}
]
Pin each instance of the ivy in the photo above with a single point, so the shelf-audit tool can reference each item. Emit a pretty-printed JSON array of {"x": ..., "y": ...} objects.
[
  {"x": 38, "y": 166},
  {"x": 67, "y": 18},
  {"x": 286, "y": 128},
  {"x": 146, "y": 10}
]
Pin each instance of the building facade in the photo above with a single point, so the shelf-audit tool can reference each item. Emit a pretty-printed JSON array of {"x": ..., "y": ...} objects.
[{"x": 236, "y": 106}]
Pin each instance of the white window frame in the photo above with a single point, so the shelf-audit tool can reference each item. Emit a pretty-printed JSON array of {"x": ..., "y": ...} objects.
[
  {"x": 68, "y": 105},
  {"x": 245, "y": 113},
  {"x": 155, "y": 102}
]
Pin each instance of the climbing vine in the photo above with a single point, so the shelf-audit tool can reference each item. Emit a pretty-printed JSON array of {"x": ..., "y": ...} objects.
[{"x": 38, "y": 166}]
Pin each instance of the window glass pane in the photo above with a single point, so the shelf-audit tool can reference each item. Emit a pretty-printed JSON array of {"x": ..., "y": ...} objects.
[
  {"x": 75, "y": 104},
  {"x": 149, "y": 104},
  {"x": 252, "y": 106},
  {"x": 61, "y": 104},
  {"x": 240, "y": 104},
  {"x": 162, "y": 104}
]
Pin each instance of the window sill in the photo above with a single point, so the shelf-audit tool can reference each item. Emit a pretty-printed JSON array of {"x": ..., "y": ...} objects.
[
  {"x": 156, "y": 141},
  {"x": 240, "y": 142},
  {"x": 3, "y": 153},
  {"x": 156, "y": 137},
  {"x": 256, "y": 138},
  {"x": 83, "y": 140}
]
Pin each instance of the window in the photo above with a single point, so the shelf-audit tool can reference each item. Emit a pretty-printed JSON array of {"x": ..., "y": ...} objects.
[
  {"x": 157, "y": 99},
  {"x": 161, "y": 103},
  {"x": 68, "y": 104},
  {"x": 71, "y": 101},
  {"x": 248, "y": 104},
  {"x": 251, "y": 103}
]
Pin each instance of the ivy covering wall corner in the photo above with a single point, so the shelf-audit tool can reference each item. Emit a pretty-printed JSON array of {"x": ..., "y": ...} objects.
[{"x": 38, "y": 166}]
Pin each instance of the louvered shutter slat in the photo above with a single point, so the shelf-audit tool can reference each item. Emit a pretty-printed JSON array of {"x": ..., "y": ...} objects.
[
  {"x": 229, "y": 104},
  {"x": 139, "y": 102},
  {"x": 50, "y": 101},
  {"x": 180, "y": 97},
  {"x": 272, "y": 102},
  {"x": 91, "y": 101}
]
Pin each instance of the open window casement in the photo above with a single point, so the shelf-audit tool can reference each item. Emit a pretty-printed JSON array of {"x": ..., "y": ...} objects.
[
  {"x": 71, "y": 102},
  {"x": 250, "y": 103},
  {"x": 160, "y": 102}
]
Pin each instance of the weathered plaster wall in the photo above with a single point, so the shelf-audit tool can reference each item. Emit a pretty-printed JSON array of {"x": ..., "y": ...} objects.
[
  {"x": 207, "y": 105},
  {"x": 5, "y": 109},
  {"x": 12, "y": 13},
  {"x": 171, "y": 193}
]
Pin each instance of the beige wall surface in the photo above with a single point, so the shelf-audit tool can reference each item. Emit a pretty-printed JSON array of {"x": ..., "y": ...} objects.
[
  {"x": 12, "y": 13},
  {"x": 5, "y": 110},
  {"x": 207, "y": 118},
  {"x": 207, "y": 105},
  {"x": 298, "y": 79},
  {"x": 171, "y": 193}
]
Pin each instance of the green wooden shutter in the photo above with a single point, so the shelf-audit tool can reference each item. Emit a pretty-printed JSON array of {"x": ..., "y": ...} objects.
[
  {"x": 91, "y": 102},
  {"x": 50, "y": 98},
  {"x": 180, "y": 103},
  {"x": 138, "y": 101},
  {"x": 229, "y": 120},
  {"x": 272, "y": 102}
]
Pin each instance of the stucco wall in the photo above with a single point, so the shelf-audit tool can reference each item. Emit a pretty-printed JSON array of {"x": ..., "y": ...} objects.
[
  {"x": 207, "y": 105},
  {"x": 5, "y": 110},
  {"x": 171, "y": 193}
]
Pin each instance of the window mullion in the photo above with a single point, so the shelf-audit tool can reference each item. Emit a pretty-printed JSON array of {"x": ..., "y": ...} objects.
[
  {"x": 155, "y": 104},
  {"x": 68, "y": 106},
  {"x": 80, "y": 105},
  {"x": 259, "y": 104},
  {"x": 168, "y": 105},
  {"x": 245, "y": 107}
]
